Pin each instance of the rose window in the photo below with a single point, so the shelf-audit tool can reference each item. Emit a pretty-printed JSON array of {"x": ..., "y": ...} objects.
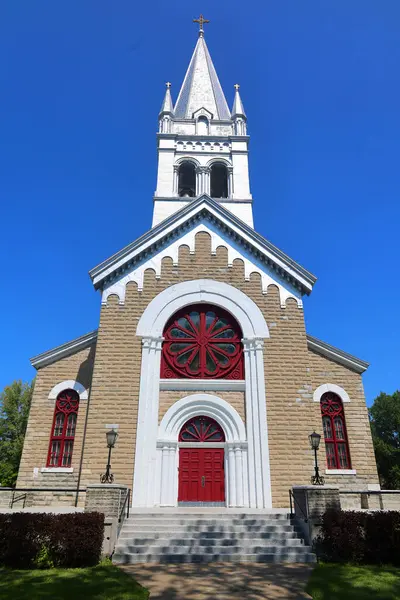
[{"x": 202, "y": 342}]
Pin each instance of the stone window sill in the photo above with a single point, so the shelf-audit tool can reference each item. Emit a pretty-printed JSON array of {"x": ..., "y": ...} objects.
[
  {"x": 57, "y": 470},
  {"x": 340, "y": 472}
]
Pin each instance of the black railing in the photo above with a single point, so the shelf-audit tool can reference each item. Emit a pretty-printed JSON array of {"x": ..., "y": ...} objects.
[
  {"x": 294, "y": 502},
  {"x": 125, "y": 508}
]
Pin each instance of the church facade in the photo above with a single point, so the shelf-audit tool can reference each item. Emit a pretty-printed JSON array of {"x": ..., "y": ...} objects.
[{"x": 201, "y": 360}]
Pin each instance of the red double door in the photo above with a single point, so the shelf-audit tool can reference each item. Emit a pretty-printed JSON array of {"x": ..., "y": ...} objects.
[{"x": 201, "y": 475}]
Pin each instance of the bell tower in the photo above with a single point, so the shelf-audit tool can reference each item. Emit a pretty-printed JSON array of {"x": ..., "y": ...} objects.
[{"x": 202, "y": 145}]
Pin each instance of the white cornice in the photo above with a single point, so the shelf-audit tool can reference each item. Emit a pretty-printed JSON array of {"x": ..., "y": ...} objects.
[
  {"x": 171, "y": 228},
  {"x": 338, "y": 356},
  {"x": 203, "y": 385},
  {"x": 67, "y": 349}
]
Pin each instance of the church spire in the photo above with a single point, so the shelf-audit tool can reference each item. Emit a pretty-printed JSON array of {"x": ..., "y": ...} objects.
[
  {"x": 201, "y": 87},
  {"x": 167, "y": 106}
]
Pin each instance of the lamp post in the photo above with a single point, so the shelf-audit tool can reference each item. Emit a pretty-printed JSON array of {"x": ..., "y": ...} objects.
[
  {"x": 315, "y": 439},
  {"x": 111, "y": 436}
]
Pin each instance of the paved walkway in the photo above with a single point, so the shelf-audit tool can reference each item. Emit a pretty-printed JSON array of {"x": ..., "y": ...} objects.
[{"x": 223, "y": 581}]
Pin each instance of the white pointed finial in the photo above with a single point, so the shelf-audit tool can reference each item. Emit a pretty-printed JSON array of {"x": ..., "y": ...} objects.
[
  {"x": 236, "y": 86},
  {"x": 168, "y": 85}
]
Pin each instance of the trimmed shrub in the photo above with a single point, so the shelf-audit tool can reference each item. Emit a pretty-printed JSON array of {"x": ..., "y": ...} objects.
[
  {"x": 360, "y": 537},
  {"x": 43, "y": 539}
]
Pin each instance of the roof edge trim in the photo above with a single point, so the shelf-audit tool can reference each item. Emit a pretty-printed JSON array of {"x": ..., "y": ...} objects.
[
  {"x": 67, "y": 349},
  {"x": 337, "y": 355}
]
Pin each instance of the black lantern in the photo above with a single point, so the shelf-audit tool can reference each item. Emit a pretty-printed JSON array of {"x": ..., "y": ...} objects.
[
  {"x": 315, "y": 439},
  {"x": 111, "y": 436}
]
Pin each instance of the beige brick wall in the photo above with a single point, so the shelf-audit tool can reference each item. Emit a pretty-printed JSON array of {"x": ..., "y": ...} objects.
[
  {"x": 361, "y": 448},
  {"x": 78, "y": 367},
  {"x": 292, "y": 373},
  {"x": 168, "y": 398}
]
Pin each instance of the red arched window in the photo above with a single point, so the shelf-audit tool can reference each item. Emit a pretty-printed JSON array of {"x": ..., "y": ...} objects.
[
  {"x": 63, "y": 430},
  {"x": 201, "y": 429},
  {"x": 203, "y": 342},
  {"x": 336, "y": 444}
]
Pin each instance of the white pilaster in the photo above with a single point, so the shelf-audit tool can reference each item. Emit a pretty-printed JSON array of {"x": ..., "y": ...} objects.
[
  {"x": 144, "y": 487},
  {"x": 256, "y": 422}
]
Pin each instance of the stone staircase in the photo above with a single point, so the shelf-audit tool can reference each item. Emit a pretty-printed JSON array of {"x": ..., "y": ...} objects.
[{"x": 198, "y": 537}]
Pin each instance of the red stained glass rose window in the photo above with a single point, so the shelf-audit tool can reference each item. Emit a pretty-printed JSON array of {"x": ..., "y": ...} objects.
[
  {"x": 333, "y": 421},
  {"x": 202, "y": 342},
  {"x": 63, "y": 430}
]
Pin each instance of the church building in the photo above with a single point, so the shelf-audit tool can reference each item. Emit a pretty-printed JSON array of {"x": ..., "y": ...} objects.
[{"x": 201, "y": 361}]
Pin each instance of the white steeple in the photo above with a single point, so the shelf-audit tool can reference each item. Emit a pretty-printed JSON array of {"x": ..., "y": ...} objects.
[{"x": 202, "y": 146}]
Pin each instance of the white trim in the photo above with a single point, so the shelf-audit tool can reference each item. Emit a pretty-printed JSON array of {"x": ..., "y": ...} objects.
[
  {"x": 374, "y": 487},
  {"x": 330, "y": 387},
  {"x": 203, "y": 385},
  {"x": 160, "y": 461},
  {"x": 340, "y": 472},
  {"x": 163, "y": 306},
  {"x": 207, "y": 405},
  {"x": 57, "y": 470},
  {"x": 69, "y": 384}
]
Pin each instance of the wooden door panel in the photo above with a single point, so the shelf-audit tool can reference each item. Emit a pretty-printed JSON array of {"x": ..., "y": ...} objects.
[{"x": 196, "y": 464}]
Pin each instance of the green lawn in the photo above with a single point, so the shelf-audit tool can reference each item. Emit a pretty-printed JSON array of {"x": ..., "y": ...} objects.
[
  {"x": 96, "y": 583},
  {"x": 346, "y": 582}
]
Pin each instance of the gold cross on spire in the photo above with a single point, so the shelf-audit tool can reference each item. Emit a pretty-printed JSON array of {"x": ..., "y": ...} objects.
[{"x": 201, "y": 20}]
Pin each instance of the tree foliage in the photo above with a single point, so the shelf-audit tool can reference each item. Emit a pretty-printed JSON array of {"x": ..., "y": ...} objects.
[
  {"x": 385, "y": 425},
  {"x": 15, "y": 401}
]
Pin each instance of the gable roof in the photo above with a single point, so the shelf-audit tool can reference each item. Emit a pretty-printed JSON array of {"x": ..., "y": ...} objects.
[
  {"x": 206, "y": 208},
  {"x": 315, "y": 345}
]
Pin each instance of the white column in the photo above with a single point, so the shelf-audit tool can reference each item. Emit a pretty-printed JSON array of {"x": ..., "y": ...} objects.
[
  {"x": 231, "y": 476},
  {"x": 207, "y": 185},
  {"x": 230, "y": 182},
  {"x": 175, "y": 181},
  {"x": 168, "y": 473},
  {"x": 239, "y": 475},
  {"x": 259, "y": 478},
  {"x": 199, "y": 182},
  {"x": 144, "y": 486}
]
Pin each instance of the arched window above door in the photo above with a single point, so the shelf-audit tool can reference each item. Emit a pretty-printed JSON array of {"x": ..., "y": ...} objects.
[
  {"x": 203, "y": 342},
  {"x": 201, "y": 429}
]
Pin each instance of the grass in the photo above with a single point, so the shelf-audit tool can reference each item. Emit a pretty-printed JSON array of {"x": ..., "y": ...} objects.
[
  {"x": 104, "y": 582},
  {"x": 348, "y": 582}
]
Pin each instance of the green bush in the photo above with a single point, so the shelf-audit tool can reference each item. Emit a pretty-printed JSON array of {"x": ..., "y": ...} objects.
[
  {"x": 45, "y": 540},
  {"x": 360, "y": 537}
]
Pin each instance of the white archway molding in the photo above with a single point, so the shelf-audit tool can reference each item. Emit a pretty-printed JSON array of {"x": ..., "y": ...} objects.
[
  {"x": 330, "y": 387},
  {"x": 236, "y": 455},
  {"x": 169, "y": 301},
  {"x": 256, "y": 464},
  {"x": 69, "y": 384},
  {"x": 202, "y": 404}
]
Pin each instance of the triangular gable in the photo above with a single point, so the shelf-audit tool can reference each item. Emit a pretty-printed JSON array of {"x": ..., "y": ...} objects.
[{"x": 203, "y": 214}]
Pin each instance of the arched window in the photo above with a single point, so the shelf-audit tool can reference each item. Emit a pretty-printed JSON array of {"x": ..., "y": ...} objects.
[
  {"x": 219, "y": 181},
  {"x": 336, "y": 444},
  {"x": 63, "y": 429},
  {"x": 187, "y": 180},
  {"x": 202, "y": 342},
  {"x": 201, "y": 429},
  {"x": 202, "y": 126}
]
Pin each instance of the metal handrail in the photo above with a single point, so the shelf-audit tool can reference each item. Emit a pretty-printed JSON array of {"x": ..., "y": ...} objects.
[
  {"x": 292, "y": 512},
  {"x": 17, "y": 499},
  {"x": 126, "y": 503},
  {"x": 3, "y": 489}
]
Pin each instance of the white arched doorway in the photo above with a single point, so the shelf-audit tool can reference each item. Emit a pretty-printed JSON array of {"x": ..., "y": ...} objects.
[
  {"x": 146, "y": 488},
  {"x": 234, "y": 446}
]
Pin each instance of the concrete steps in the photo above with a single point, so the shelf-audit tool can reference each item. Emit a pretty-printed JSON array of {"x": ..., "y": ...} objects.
[{"x": 177, "y": 537}]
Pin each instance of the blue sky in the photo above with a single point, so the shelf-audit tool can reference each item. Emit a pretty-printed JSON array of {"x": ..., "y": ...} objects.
[{"x": 82, "y": 83}]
